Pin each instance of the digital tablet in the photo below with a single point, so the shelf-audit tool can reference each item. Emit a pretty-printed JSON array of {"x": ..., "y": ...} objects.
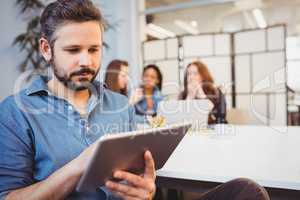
[{"x": 125, "y": 151}]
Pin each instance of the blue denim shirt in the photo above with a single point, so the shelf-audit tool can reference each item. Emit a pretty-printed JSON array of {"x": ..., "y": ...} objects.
[
  {"x": 40, "y": 133},
  {"x": 141, "y": 106}
]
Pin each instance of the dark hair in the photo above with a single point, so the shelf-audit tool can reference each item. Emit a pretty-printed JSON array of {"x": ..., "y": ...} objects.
[
  {"x": 207, "y": 81},
  {"x": 112, "y": 74},
  {"x": 63, "y": 11},
  {"x": 158, "y": 72}
]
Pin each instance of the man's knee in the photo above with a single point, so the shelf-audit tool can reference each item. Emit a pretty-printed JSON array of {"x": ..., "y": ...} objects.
[{"x": 249, "y": 188}]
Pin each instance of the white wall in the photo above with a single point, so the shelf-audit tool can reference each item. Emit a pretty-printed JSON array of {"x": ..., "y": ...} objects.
[{"x": 11, "y": 24}]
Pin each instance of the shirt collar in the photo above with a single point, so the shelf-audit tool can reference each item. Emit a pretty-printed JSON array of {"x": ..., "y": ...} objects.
[{"x": 38, "y": 86}]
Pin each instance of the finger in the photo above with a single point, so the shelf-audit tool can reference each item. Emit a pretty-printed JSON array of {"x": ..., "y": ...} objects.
[
  {"x": 126, "y": 190},
  {"x": 149, "y": 166},
  {"x": 133, "y": 179}
]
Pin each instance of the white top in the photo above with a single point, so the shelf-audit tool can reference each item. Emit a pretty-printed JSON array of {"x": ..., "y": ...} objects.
[{"x": 268, "y": 155}]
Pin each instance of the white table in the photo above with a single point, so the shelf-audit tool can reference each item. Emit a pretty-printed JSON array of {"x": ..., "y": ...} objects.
[{"x": 268, "y": 155}]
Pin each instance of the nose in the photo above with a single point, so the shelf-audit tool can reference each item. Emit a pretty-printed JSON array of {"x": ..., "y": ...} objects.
[{"x": 85, "y": 59}]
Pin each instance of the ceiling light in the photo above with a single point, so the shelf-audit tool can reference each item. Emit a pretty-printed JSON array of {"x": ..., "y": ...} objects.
[
  {"x": 249, "y": 19},
  {"x": 194, "y": 23},
  {"x": 259, "y": 17},
  {"x": 162, "y": 31},
  {"x": 244, "y": 5},
  {"x": 155, "y": 34},
  {"x": 187, "y": 27}
]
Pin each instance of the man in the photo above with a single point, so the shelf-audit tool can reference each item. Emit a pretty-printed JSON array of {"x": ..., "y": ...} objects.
[{"x": 48, "y": 130}]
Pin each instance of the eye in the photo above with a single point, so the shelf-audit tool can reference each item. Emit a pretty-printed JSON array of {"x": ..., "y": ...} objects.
[
  {"x": 73, "y": 51},
  {"x": 93, "y": 50}
]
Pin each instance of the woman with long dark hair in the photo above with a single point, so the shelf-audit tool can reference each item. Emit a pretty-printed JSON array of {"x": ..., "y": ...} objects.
[
  {"x": 150, "y": 91},
  {"x": 199, "y": 84},
  {"x": 116, "y": 77}
]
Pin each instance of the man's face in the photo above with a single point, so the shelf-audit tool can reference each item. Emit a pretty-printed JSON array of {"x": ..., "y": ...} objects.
[{"x": 77, "y": 54}]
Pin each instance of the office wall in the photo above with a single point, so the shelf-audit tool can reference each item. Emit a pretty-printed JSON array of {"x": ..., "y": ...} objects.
[{"x": 11, "y": 25}]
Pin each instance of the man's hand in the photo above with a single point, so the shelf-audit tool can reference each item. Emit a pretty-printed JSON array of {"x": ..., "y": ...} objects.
[{"x": 137, "y": 187}]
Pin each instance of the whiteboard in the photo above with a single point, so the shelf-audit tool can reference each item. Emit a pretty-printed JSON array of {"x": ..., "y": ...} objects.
[
  {"x": 154, "y": 50},
  {"x": 250, "y": 41},
  {"x": 170, "y": 72},
  {"x": 242, "y": 74},
  {"x": 276, "y": 38},
  {"x": 222, "y": 44},
  {"x": 197, "y": 45}
]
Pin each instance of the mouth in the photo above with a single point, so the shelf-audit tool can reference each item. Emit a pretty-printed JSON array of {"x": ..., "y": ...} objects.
[
  {"x": 84, "y": 74},
  {"x": 83, "y": 77}
]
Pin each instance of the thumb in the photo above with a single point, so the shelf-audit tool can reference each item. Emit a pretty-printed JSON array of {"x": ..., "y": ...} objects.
[{"x": 149, "y": 166}]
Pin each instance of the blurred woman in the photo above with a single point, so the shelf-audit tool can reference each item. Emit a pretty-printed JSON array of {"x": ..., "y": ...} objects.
[
  {"x": 199, "y": 84},
  {"x": 116, "y": 77},
  {"x": 147, "y": 97}
]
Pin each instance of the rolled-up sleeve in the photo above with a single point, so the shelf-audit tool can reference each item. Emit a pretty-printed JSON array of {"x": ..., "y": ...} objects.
[{"x": 16, "y": 150}]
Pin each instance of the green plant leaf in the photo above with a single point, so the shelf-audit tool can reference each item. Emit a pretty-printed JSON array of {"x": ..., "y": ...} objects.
[
  {"x": 19, "y": 39},
  {"x": 33, "y": 23}
]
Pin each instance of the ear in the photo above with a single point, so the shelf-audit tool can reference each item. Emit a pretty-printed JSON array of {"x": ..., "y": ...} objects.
[{"x": 45, "y": 49}]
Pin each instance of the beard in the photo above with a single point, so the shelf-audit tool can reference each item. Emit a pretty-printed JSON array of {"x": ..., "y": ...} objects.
[{"x": 82, "y": 83}]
